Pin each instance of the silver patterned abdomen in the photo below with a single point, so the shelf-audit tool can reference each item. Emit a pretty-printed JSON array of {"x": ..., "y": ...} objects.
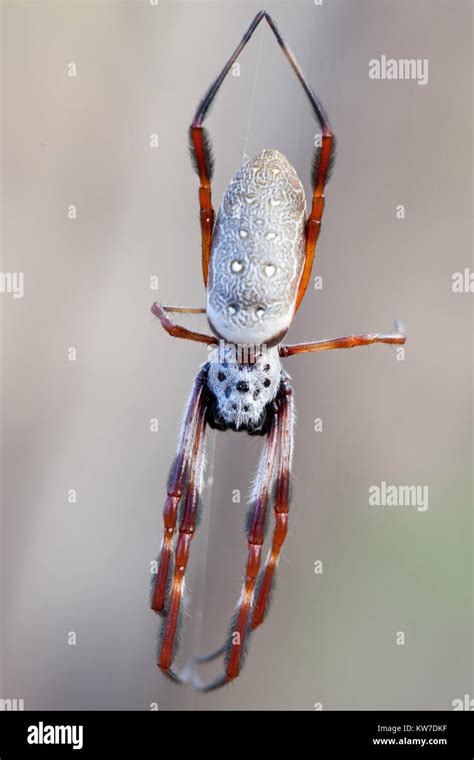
[{"x": 257, "y": 254}]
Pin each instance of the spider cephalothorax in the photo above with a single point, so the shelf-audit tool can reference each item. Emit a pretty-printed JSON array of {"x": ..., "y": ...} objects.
[
  {"x": 256, "y": 263},
  {"x": 241, "y": 394}
]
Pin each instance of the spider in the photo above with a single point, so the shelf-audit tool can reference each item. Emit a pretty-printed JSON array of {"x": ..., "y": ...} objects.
[{"x": 257, "y": 258}]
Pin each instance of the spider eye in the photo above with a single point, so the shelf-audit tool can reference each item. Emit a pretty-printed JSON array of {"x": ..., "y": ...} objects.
[
  {"x": 260, "y": 311},
  {"x": 232, "y": 309},
  {"x": 267, "y": 382},
  {"x": 221, "y": 376}
]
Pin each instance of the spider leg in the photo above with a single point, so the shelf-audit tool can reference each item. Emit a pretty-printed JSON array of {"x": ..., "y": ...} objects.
[
  {"x": 281, "y": 506},
  {"x": 349, "y": 341},
  {"x": 187, "y": 527},
  {"x": 235, "y": 647},
  {"x": 201, "y": 659},
  {"x": 177, "y": 483},
  {"x": 201, "y": 151},
  {"x": 176, "y": 331},
  {"x": 184, "y": 309}
]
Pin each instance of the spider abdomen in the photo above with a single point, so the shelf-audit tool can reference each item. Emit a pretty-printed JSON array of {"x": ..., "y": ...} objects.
[{"x": 258, "y": 252}]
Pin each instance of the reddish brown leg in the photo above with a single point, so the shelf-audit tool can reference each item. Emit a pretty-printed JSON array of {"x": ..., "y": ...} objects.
[
  {"x": 349, "y": 341},
  {"x": 201, "y": 148},
  {"x": 255, "y": 539},
  {"x": 321, "y": 175},
  {"x": 183, "y": 309},
  {"x": 176, "y": 330},
  {"x": 201, "y": 151},
  {"x": 235, "y": 646},
  {"x": 176, "y": 486},
  {"x": 187, "y": 528},
  {"x": 281, "y": 506}
]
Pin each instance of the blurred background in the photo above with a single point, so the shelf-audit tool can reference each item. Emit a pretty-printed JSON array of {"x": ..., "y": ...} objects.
[{"x": 77, "y": 632}]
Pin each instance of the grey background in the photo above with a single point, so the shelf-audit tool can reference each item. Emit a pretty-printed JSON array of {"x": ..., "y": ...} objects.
[{"x": 84, "y": 567}]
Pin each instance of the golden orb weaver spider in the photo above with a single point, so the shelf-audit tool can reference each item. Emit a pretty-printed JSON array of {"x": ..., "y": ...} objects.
[{"x": 257, "y": 258}]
